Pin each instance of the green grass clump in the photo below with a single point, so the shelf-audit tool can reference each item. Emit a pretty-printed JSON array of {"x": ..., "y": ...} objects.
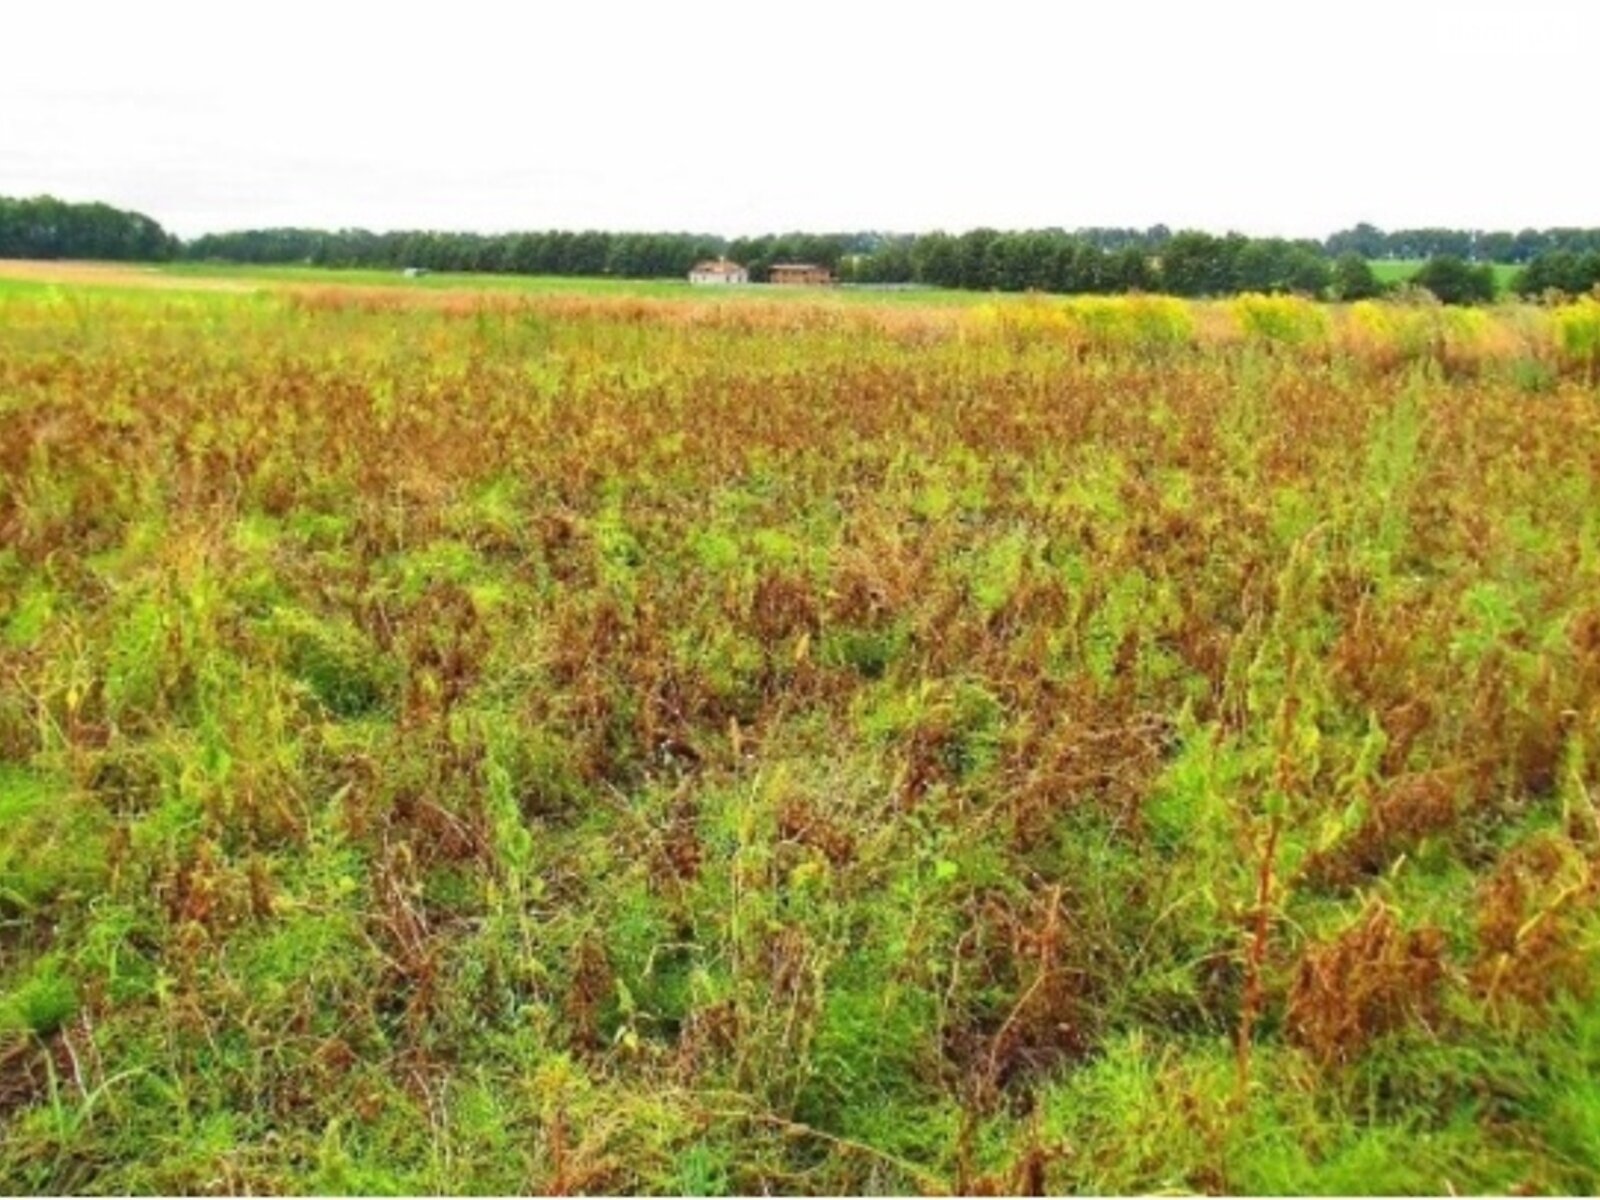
[
  {"x": 40, "y": 1003},
  {"x": 343, "y": 671},
  {"x": 54, "y": 842}
]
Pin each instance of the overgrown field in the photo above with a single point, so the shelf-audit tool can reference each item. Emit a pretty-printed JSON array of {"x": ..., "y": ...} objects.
[{"x": 590, "y": 743}]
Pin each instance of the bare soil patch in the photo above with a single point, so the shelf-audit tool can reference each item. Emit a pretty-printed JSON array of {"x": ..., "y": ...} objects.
[{"x": 113, "y": 275}]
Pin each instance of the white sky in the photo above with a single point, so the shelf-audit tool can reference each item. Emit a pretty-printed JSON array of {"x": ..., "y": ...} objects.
[{"x": 1294, "y": 117}]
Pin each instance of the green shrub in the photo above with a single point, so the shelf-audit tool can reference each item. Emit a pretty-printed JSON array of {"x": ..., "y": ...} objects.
[{"x": 1455, "y": 281}]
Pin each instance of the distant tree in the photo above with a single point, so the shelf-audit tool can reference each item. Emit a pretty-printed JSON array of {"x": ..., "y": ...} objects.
[
  {"x": 1431, "y": 243},
  {"x": 1017, "y": 262},
  {"x": 823, "y": 249},
  {"x": 1307, "y": 272},
  {"x": 972, "y": 252},
  {"x": 1201, "y": 264},
  {"x": 891, "y": 262},
  {"x": 1367, "y": 241},
  {"x": 1354, "y": 278},
  {"x": 1129, "y": 270},
  {"x": 1527, "y": 245},
  {"x": 1275, "y": 265},
  {"x": 1258, "y": 267},
  {"x": 45, "y": 227},
  {"x": 1496, "y": 246},
  {"x": 1456, "y": 281},
  {"x": 936, "y": 260},
  {"x": 1079, "y": 266},
  {"x": 755, "y": 253},
  {"x": 1186, "y": 263},
  {"x": 1560, "y": 271}
]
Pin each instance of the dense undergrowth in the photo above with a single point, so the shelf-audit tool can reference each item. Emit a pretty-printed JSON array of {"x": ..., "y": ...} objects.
[{"x": 576, "y": 745}]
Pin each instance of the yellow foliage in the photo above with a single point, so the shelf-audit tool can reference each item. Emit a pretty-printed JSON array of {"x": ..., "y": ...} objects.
[
  {"x": 1289, "y": 320},
  {"x": 1123, "y": 321},
  {"x": 1578, "y": 331}
]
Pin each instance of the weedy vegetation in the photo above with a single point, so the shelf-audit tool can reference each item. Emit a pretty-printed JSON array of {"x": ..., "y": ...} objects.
[{"x": 570, "y": 743}]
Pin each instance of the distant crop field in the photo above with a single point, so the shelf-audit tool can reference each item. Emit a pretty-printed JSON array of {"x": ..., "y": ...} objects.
[
  {"x": 19, "y": 275},
  {"x": 1398, "y": 270},
  {"x": 571, "y": 739},
  {"x": 551, "y": 285}
]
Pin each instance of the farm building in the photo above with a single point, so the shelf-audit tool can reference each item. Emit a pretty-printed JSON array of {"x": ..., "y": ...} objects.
[
  {"x": 719, "y": 270},
  {"x": 800, "y": 273}
]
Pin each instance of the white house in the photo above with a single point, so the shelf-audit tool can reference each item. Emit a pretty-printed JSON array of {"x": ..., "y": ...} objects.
[{"x": 718, "y": 270}]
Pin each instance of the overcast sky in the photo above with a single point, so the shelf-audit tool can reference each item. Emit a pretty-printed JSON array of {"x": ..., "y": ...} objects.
[{"x": 1295, "y": 117}]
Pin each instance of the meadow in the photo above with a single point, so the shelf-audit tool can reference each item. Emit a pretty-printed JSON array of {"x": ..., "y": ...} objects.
[
  {"x": 1391, "y": 271},
  {"x": 42, "y": 276},
  {"x": 496, "y": 742}
]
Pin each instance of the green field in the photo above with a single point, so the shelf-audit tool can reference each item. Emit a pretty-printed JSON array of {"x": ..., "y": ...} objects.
[
  {"x": 546, "y": 285},
  {"x": 1398, "y": 270},
  {"x": 573, "y": 737},
  {"x": 355, "y": 277}
]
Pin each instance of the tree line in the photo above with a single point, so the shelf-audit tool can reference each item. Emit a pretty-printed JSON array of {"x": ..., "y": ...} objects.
[
  {"x": 44, "y": 227},
  {"x": 1106, "y": 261},
  {"x": 1560, "y": 271},
  {"x": 1470, "y": 245},
  {"x": 1095, "y": 260},
  {"x": 1185, "y": 264}
]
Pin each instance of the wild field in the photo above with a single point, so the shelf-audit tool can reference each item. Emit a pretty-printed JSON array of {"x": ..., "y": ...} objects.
[{"x": 640, "y": 744}]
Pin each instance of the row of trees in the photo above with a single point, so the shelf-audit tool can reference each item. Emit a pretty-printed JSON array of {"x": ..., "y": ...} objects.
[
  {"x": 592, "y": 252},
  {"x": 1472, "y": 245},
  {"x": 1184, "y": 264},
  {"x": 1099, "y": 260},
  {"x": 1106, "y": 261},
  {"x": 1561, "y": 271},
  {"x": 44, "y": 227},
  {"x": 631, "y": 255}
]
